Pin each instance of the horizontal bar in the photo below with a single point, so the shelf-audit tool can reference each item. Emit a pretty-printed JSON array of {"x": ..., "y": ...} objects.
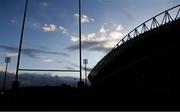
[{"x": 48, "y": 70}]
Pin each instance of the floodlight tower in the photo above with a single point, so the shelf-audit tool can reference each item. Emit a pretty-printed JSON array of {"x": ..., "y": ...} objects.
[
  {"x": 85, "y": 62},
  {"x": 7, "y": 60}
]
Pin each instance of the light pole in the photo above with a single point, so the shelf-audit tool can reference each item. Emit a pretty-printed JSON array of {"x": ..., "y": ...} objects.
[
  {"x": 85, "y": 62},
  {"x": 7, "y": 60}
]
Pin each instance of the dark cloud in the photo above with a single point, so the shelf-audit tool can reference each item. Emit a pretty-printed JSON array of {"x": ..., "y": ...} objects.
[
  {"x": 77, "y": 66},
  {"x": 37, "y": 46},
  {"x": 31, "y": 52},
  {"x": 8, "y": 48},
  {"x": 34, "y": 51},
  {"x": 90, "y": 45},
  {"x": 84, "y": 45},
  {"x": 69, "y": 68}
]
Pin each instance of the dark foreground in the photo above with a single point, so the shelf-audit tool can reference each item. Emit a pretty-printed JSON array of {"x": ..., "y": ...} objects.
[{"x": 67, "y": 98}]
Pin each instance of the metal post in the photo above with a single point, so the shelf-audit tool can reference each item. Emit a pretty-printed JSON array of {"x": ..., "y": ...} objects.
[
  {"x": 80, "y": 40},
  {"x": 21, "y": 40},
  {"x": 16, "y": 83},
  {"x": 80, "y": 83}
]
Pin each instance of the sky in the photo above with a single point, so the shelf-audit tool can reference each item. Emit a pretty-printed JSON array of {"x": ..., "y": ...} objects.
[{"x": 51, "y": 30}]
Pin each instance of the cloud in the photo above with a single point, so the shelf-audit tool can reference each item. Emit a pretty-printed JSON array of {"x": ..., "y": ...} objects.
[
  {"x": 36, "y": 25},
  {"x": 103, "y": 40},
  {"x": 47, "y": 60},
  {"x": 59, "y": 61},
  {"x": 69, "y": 68},
  {"x": 30, "y": 51},
  {"x": 49, "y": 28},
  {"x": 88, "y": 69},
  {"x": 44, "y": 4},
  {"x": 30, "y": 23},
  {"x": 90, "y": 45},
  {"x": 63, "y": 30},
  {"x": 52, "y": 28},
  {"x": 103, "y": 29},
  {"x": 36, "y": 45},
  {"x": 11, "y": 54},
  {"x": 14, "y": 21},
  {"x": 84, "y": 18},
  {"x": 9, "y": 51},
  {"x": 76, "y": 66},
  {"x": 33, "y": 53}
]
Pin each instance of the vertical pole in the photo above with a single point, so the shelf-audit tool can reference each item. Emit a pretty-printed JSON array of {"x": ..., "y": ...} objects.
[
  {"x": 21, "y": 40},
  {"x": 80, "y": 41},
  {"x": 5, "y": 74}
]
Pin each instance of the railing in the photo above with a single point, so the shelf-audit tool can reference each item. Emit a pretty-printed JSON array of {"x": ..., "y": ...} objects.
[{"x": 153, "y": 22}]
